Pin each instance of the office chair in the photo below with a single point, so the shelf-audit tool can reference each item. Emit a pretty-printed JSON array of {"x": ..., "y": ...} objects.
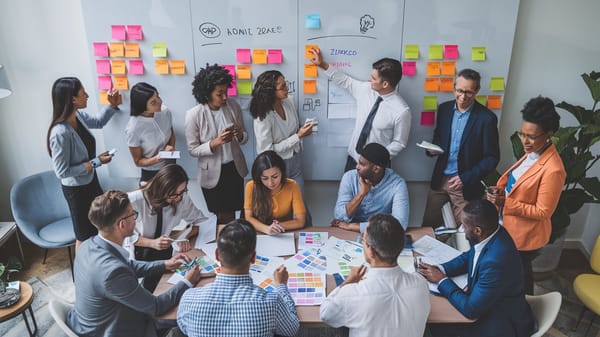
[
  {"x": 587, "y": 287},
  {"x": 59, "y": 311},
  {"x": 545, "y": 309}
]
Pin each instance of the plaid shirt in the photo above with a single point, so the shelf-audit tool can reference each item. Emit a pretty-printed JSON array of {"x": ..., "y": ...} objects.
[{"x": 234, "y": 306}]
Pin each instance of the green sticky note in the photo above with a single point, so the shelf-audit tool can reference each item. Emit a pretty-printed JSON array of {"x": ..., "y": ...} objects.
[
  {"x": 482, "y": 99},
  {"x": 159, "y": 49},
  {"x": 497, "y": 84},
  {"x": 430, "y": 103},
  {"x": 478, "y": 54},
  {"x": 244, "y": 87},
  {"x": 411, "y": 52},
  {"x": 436, "y": 52}
]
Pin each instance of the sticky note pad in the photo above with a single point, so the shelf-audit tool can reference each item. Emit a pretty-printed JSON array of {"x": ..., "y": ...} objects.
[
  {"x": 259, "y": 56},
  {"x": 136, "y": 67},
  {"x": 244, "y": 72},
  {"x": 497, "y": 84},
  {"x": 243, "y": 56},
  {"x": 101, "y": 49},
  {"x": 307, "y": 49},
  {"x": 436, "y": 52},
  {"x": 134, "y": 32},
  {"x": 117, "y": 67},
  {"x": 432, "y": 84},
  {"x": 494, "y": 102},
  {"x": 447, "y": 84},
  {"x": 313, "y": 21},
  {"x": 104, "y": 83},
  {"x": 428, "y": 118},
  {"x": 409, "y": 68},
  {"x": 104, "y": 98},
  {"x": 244, "y": 87},
  {"x": 310, "y": 70},
  {"x": 310, "y": 87},
  {"x": 411, "y": 52},
  {"x": 103, "y": 66},
  {"x": 159, "y": 49},
  {"x": 178, "y": 67},
  {"x": 116, "y": 49},
  {"x": 451, "y": 51},
  {"x": 230, "y": 68},
  {"x": 449, "y": 68},
  {"x": 433, "y": 69},
  {"x": 274, "y": 56},
  {"x": 478, "y": 54},
  {"x": 118, "y": 32},
  {"x": 233, "y": 90},
  {"x": 132, "y": 49},
  {"x": 121, "y": 83},
  {"x": 482, "y": 99},
  {"x": 430, "y": 103},
  {"x": 161, "y": 66}
]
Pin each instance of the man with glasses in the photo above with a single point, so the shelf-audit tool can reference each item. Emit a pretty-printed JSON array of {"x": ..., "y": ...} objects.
[
  {"x": 109, "y": 301},
  {"x": 467, "y": 132}
]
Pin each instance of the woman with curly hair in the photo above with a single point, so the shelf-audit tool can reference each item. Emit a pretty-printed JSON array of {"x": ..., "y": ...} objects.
[{"x": 214, "y": 130}]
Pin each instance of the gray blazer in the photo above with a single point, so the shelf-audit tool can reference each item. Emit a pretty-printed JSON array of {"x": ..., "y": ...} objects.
[
  {"x": 109, "y": 301},
  {"x": 200, "y": 129}
]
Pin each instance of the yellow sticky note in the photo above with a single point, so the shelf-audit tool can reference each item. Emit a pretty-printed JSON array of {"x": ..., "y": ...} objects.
[
  {"x": 482, "y": 99},
  {"x": 259, "y": 56},
  {"x": 307, "y": 52},
  {"x": 244, "y": 87},
  {"x": 117, "y": 67},
  {"x": 436, "y": 52},
  {"x": 159, "y": 49},
  {"x": 433, "y": 69},
  {"x": 310, "y": 86},
  {"x": 132, "y": 50},
  {"x": 449, "y": 68},
  {"x": 494, "y": 102},
  {"x": 478, "y": 54},
  {"x": 178, "y": 67},
  {"x": 104, "y": 98},
  {"x": 310, "y": 70},
  {"x": 447, "y": 84},
  {"x": 432, "y": 84},
  {"x": 497, "y": 84},
  {"x": 244, "y": 72},
  {"x": 161, "y": 66},
  {"x": 116, "y": 49},
  {"x": 430, "y": 103},
  {"x": 411, "y": 52},
  {"x": 121, "y": 83}
]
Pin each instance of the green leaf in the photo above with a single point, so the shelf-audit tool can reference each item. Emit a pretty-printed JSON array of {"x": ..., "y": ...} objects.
[
  {"x": 593, "y": 85},
  {"x": 592, "y": 186},
  {"x": 2, "y": 268},
  {"x": 582, "y": 115},
  {"x": 594, "y": 75},
  {"x": 517, "y": 146},
  {"x": 492, "y": 178},
  {"x": 573, "y": 199}
]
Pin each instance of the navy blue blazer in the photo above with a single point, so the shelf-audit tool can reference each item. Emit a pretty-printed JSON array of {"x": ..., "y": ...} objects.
[
  {"x": 495, "y": 294},
  {"x": 479, "y": 152}
]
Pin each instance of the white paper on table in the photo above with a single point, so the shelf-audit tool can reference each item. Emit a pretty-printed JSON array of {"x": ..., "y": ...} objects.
[
  {"x": 435, "y": 250},
  {"x": 209, "y": 249},
  {"x": 307, "y": 240},
  {"x": 407, "y": 263},
  {"x": 461, "y": 281},
  {"x": 207, "y": 230},
  {"x": 337, "y": 250},
  {"x": 264, "y": 267},
  {"x": 169, "y": 154},
  {"x": 175, "y": 278},
  {"x": 275, "y": 245}
]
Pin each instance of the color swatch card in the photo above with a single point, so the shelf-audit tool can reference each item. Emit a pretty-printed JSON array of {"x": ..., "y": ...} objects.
[
  {"x": 308, "y": 240},
  {"x": 205, "y": 263},
  {"x": 307, "y": 288},
  {"x": 266, "y": 283},
  {"x": 338, "y": 250},
  {"x": 306, "y": 260},
  {"x": 265, "y": 264}
]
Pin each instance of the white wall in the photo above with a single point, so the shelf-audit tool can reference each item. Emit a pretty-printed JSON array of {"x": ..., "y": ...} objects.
[{"x": 40, "y": 41}]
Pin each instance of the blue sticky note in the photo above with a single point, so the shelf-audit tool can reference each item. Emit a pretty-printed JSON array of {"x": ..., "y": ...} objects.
[{"x": 313, "y": 21}]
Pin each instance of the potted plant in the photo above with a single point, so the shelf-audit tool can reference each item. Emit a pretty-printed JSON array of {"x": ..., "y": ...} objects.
[{"x": 8, "y": 296}]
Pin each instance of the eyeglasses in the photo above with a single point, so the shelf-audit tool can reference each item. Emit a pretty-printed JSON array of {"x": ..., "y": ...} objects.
[
  {"x": 523, "y": 136},
  {"x": 134, "y": 215},
  {"x": 467, "y": 93},
  {"x": 177, "y": 195}
]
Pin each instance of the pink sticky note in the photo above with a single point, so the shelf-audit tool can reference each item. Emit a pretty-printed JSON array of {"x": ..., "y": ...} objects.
[
  {"x": 104, "y": 83},
  {"x": 428, "y": 118},
  {"x": 233, "y": 90},
  {"x": 451, "y": 51},
  {"x": 274, "y": 56},
  {"x": 230, "y": 68},
  {"x": 409, "y": 68},
  {"x": 134, "y": 32},
  {"x": 103, "y": 66},
  {"x": 243, "y": 56},
  {"x": 101, "y": 49},
  {"x": 136, "y": 67},
  {"x": 118, "y": 32}
]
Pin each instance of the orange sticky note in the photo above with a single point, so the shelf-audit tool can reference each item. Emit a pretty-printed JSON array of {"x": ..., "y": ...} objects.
[
  {"x": 116, "y": 49},
  {"x": 310, "y": 86},
  {"x": 104, "y": 98},
  {"x": 121, "y": 83},
  {"x": 259, "y": 56},
  {"x": 244, "y": 72},
  {"x": 449, "y": 68},
  {"x": 432, "y": 84},
  {"x": 117, "y": 67},
  {"x": 132, "y": 50},
  {"x": 178, "y": 67},
  {"x": 161, "y": 66},
  {"x": 310, "y": 70},
  {"x": 307, "y": 49},
  {"x": 433, "y": 69},
  {"x": 447, "y": 84},
  {"x": 494, "y": 102}
]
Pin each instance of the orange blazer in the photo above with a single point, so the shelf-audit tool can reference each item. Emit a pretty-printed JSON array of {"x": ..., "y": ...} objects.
[{"x": 532, "y": 200}]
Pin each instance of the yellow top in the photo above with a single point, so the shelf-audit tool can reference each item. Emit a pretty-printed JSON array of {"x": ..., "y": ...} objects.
[{"x": 286, "y": 203}]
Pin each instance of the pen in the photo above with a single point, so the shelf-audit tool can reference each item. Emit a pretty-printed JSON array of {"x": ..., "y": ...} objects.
[
  {"x": 177, "y": 240},
  {"x": 483, "y": 183}
]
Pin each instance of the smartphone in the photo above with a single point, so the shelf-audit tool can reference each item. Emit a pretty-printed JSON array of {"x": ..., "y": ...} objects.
[{"x": 112, "y": 152}]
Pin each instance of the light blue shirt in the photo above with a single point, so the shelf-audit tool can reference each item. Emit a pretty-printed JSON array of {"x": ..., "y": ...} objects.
[
  {"x": 459, "y": 121},
  {"x": 389, "y": 196}
]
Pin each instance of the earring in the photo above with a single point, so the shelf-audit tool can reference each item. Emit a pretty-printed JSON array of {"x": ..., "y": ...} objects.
[{"x": 547, "y": 140}]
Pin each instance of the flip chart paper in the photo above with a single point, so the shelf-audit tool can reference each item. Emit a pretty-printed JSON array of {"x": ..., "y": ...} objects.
[
  {"x": 409, "y": 68},
  {"x": 478, "y": 54},
  {"x": 136, "y": 67},
  {"x": 116, "y": 49},
  {"x": 310, "y": 87},
  {"x": 121, "y": 83},
  {"x": 178, "y": 67},
  {"x": 497, "y": 84},
  {"x": 159, "y": 49},
  {"x": 134, "y": 32},
  {"x": 101, "y": 49},
  {"x": 244, "y": 87},
  {"x": 428, "y": 118},
  {"x": 118, "y": 67},
  {"x": 411, "y": 52},
  {"x": 259, "y": 56},
  {"x": 275, "y": 56},
  {"x": 161, "y": 66},
  {"x": 433, "y": 69},
  {"x": 451, "y": 51},
  {"x": 436, "y": 52},
  {"x": 449, "y": 68},
  {"x": 313, "y": 21},
  {"x": 132, "y": 49},
  {"x": 244, "y": 72},
  {"x": 102, "y": 66},
  {"x": 243, "y": 56},
  {"x": 447, "y": 84},
  {"x": 432, "y": 84},
  {"x": 118, "y": 32},
  {"x": 104, "y": 83},
  {"x": 310, "y": 70},
  {"x": 430, "y": 103},
  {"x": 494, "y": 102}
]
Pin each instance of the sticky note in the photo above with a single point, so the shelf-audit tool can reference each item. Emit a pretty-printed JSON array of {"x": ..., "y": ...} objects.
[
  {"x": 411, "y": 52},
  {"x": 307, "y": 49},
  {"x": 447, "y": 84},
  {"x": 409, "y": 68},
  {"x": 482, "y": 99},
  {"x": 259, "y": 56},
  {"x": 310, "y": 87},
  {"x": 132, "y": 49},
  {"x": 101, "y": 49},
  {"x": 243, "y": 56},
  {"x": 159, "y": 49},
  {"x": 117, "y": 67},
  {"x": 451, "y": 51},
  {"x": 497, "y": 84},
  {"x": 244, "y": 72},
  {"x": 161, "y": 66},
  {"x": 310, "y": 70},
  {"x": 118, "y": 32},
  {"x": 244, "y": 88},
  {"x": 178, "y": 67},
  {"x": 103, "y": 66},
  {"x": 436, "y": 52},
  {"x": 104, "y": 83},
  {"x": 116, "y": 49},
  {"x": 430, "y": 103},
  {"x": 134, "y": 32},
  {"x": 432, "y": 84},
  {"x": 121, "y": 83},
  {"x": 136, "y": 67},
  {"x": 233, "y": 90},
  {"x": 478, "y": 54},
  {"x": 428, "y": 118},
  {"x": 275, "y": 56},
  {"x": 313, "y": 21},
  {"x": 230, "y": 68},
  {"x": 494, "y": 102},
  {"x": 433, "y": 69},
  {"x": 449, "y": 68},
  {"x": 104, "y": 98}
]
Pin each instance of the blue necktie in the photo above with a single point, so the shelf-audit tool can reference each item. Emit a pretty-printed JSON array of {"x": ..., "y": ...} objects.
[{"x": 364, "y": 133}]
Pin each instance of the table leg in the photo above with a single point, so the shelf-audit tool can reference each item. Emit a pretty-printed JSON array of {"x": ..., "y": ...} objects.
[{"x": 34, "y": 332}]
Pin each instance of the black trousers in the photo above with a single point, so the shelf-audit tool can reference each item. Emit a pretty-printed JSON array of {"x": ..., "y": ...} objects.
[{"x": 79, "y": 199}]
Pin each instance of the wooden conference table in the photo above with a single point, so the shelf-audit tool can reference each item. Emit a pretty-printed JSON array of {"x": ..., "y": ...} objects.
[{"x": 441, "y": 310}]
